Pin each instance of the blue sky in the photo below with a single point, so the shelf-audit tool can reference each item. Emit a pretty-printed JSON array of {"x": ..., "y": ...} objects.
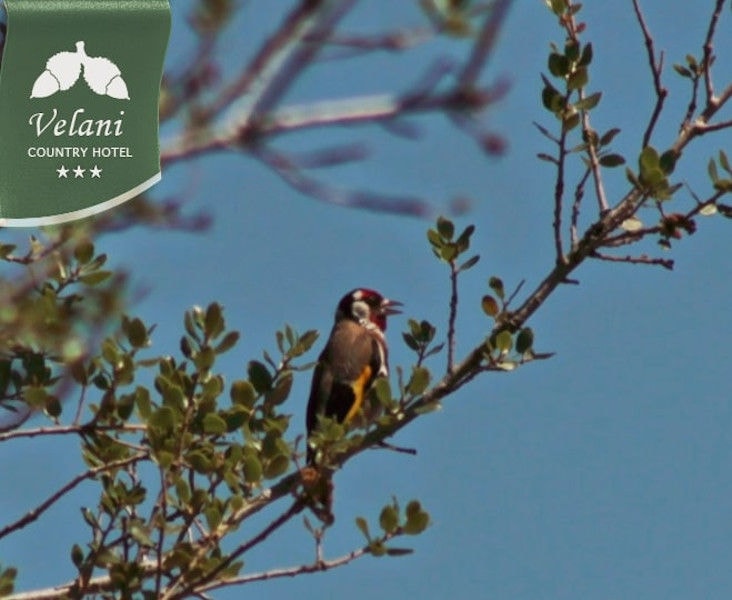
[{"x": 604, "y": 472}]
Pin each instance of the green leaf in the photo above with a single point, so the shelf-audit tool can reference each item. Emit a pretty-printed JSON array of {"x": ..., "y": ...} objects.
[
  {"x": 571, "y": 49},
  {"x": 724, "y": 161},
  {"x": 589, "y": 102},
  {"x": 200, "y": 462},
  {"x": 445, "y": 227},
  {"x": 419, "y": 381},
  {"x": 77, "y": 555},
  {"x": 6, "y": 250},
  {"x": 570, "y": 122},
  {"x": 557, "y": 6},
  {"x": 417, "y": 519},
  {"x": 586, "y": 56},
  {"x": 547, "y": 158},
  {"x": 463, "y": 241},
  {"x": 53, "y": 406},
  {"x": 632, "y": 178},
  {"x": 667, "y": 162},
  {"x": 229, "y": 341},
  {"x": 712, "y": 169},
  {"x": 136, "y": 333},
  {"x": 276, "y": 466},
  {"x": 410, "y": 341},
  {"x": 389, "y": 519},
  {"x": 524, "y": 340},
  {"x": 259, "y": 376},
  {"x": 725, "y": 210},
  {"x": 448, "y": 252},
  {"x": 213, "y": 323},
  {"x": 468, "y": 264},
  {"x": 84, "y": 252},
  {"x": 304, "y": 343},
  {"x": 213, "y": 424},
  {"x": 243, "y": 393},
  {"x": 496, "y": 284},
  {"x": 7, "y": 581},
  {"x": 141, "y": 535},
  {"x": 578, "y": 79},
  {"x": 683, "y": 71},
  {"x": 558, "y": 64},
  {"x": 429, "y": 407},
  {"x": 36, "y": 396},
  {"x": 382, "y": 388},
  {"x": 723, "y": 185},
  {"x": 490, "y": 306},
  {"x": 205, "y": 359},
  {"x": 163, "y": 418},
  {"x": 399, "y": 551},
  {"x": 434, "y": 238},
  {"x": 95, "y": 278},
  {"x": 364, "y": 527},
  {"x": 609, "y": 136},
  {"x": 252, "y": 469},
  {"x": 649, "y": 160},
  {"x": 612, "y": 160},
  {"x": 504, "y": 341},
  {"x": 281, "y": 390},
  {"x": 552, "y": 100}
]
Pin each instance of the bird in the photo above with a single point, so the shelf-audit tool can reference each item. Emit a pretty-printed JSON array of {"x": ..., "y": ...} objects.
[{"x": 355, "y": 355}]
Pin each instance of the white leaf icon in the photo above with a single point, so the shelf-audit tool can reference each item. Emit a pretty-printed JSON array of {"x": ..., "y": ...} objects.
[
  {"x": 64, "y": 68},
  {"x": 102, "y": 75},
  {"x": 62, "y": 71}
]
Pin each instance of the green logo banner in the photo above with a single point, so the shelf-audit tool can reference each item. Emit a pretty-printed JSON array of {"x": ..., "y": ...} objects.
[{"x": 79, "y": 92}]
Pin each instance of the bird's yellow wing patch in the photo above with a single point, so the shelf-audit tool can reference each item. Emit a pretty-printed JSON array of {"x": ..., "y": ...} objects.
[{"x": 359, "y": 391}]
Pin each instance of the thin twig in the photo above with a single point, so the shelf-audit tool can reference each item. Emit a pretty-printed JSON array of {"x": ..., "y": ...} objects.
[
  {"x": 513, "y": 295},
  {"x": 602, "y": 204},
  {"x": 656, "y": 69},
  {"x": 315, "y": 567},
  {"x": 666, "y": 263},
  {"x": 559, "y": 196},
  {"x": 285, "y": 168},
  {"x": 484, "y": 45},
  {"x": 199, "y": 585},
  {"x": 69, "y": 429},
  {"x": 36, "y": 512},
  {"x": 579, "y": 193},
  {"x": 709, "y": 50},
  {"x": 453, "y": 315}
]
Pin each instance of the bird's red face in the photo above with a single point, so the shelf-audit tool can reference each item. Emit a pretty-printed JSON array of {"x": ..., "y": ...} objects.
[{"x": 365, "y": 305}]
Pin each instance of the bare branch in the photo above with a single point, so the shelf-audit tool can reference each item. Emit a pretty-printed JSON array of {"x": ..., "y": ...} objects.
[
  {"x": 559, "y": 197},
  {"x": 709, "y": 50},
  {"x": 484, "y": 45},
  {"x": 395, "y": 41},
  {"x": 290, "y": 173},
  {"x": 198, "y": 586},
  {"x": 656, "y": 69},
  {"x": 453, "y": 315},
  {"x": 666, "y": 263},
  {"x": 579, "y": 192},
  {"x": 69, "y": 429},
  {"x": 36, "y": 512}
]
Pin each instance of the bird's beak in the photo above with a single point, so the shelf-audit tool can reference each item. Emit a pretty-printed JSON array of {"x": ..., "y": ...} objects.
[{"x": 388, "y": 307}]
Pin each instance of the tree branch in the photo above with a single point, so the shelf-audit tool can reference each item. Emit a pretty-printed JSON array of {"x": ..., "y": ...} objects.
[
  {"x": 36, "y": 512},
  {"x": 656, "y": 69}
]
